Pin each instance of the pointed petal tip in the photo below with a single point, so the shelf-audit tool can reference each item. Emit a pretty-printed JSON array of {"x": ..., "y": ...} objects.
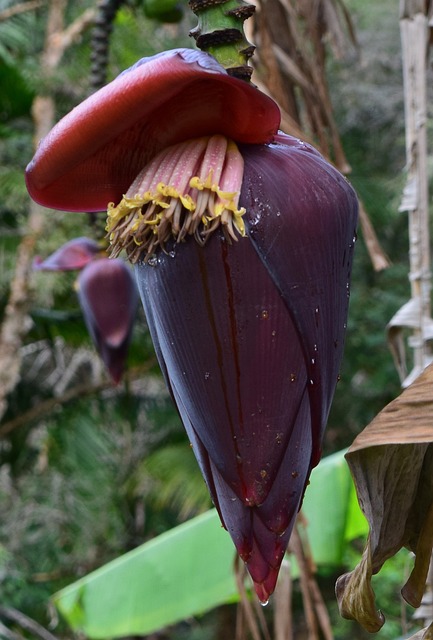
[
  {"x": 264, "y": 559},
  {"x": 261, "y": 592},
  {"x": 263, "y": 574},
  {"x": 116, "y": 372},
  {"x": 265, "y": 589}
]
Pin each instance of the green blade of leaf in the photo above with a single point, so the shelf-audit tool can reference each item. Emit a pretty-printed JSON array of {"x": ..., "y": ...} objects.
[
  {"x": 182, "y": 572},
  {"x": 332, "y": 511},
  {"x": 189, "y": 570}
]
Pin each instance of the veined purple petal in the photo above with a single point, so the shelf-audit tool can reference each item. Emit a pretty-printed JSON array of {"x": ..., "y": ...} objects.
[
  {"x": 250, "y": 338},
  {"x": 301, "y": 218},
  {"x": 72, "y": 256},
  {"x": 237, "y": 373},
  {"x": 231, "y": 350},
  {"x": 108, "y": 297}
]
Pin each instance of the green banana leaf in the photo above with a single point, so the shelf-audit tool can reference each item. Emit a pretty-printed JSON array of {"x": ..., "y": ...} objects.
[
  {"x": 15, "y": 97},
  {"x": 189, "y": 570}
]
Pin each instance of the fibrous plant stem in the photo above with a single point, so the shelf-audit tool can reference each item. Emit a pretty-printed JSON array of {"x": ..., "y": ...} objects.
[{"x": 220, "y": 32}]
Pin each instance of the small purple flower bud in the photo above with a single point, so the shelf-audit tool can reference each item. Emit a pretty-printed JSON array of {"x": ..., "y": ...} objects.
[{"x": 108, "y": 298}]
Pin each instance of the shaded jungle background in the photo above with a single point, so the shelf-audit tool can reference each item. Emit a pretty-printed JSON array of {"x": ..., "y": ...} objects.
[{"x": 89, "y": 471}]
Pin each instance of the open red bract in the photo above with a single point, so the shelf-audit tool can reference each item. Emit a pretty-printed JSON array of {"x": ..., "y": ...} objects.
[{"x": 94, "y": 153}]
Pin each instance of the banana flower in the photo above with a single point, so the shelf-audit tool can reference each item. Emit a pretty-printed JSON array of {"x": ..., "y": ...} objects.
[
  {"x": 108, "y": 298},
  {"x": 242, "y": 240}
]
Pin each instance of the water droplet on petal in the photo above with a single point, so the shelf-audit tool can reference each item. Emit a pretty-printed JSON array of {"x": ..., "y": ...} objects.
[
  {"x": 264, "y": 604},
  {"x": 265, "y": 314}
]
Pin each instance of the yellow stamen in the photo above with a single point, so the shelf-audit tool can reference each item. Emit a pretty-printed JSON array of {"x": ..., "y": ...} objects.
[{"x": 194, "y": 190}]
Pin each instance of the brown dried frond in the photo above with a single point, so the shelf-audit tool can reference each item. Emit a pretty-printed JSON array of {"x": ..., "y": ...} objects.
[{"x": 293, "y": 38}]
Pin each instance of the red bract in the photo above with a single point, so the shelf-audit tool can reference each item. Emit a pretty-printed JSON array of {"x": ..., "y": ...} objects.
[
  {"x": 243, "y": 240},
  {"x": 73, "y": 255},
  {"x": 108, "y": 298},
  {"x": 94, "y": 153}
]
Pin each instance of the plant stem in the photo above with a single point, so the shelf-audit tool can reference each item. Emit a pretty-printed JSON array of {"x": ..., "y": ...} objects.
[{"x": 220, "y": 32}]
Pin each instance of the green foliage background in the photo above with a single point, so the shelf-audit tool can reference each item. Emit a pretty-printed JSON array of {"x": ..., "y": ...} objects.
[{"x": 88, "y": 479}]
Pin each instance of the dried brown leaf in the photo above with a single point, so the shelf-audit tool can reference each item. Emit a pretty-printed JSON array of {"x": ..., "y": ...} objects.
[
  {"x": 292, "y": 70},
  {"x": 377, "y": 255},
  {"x": 292, "y": 64},
  {"x": 356, "y": 597},
  {"x": 423, "y": 634},
  {"x": 391, "y": 462}
]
